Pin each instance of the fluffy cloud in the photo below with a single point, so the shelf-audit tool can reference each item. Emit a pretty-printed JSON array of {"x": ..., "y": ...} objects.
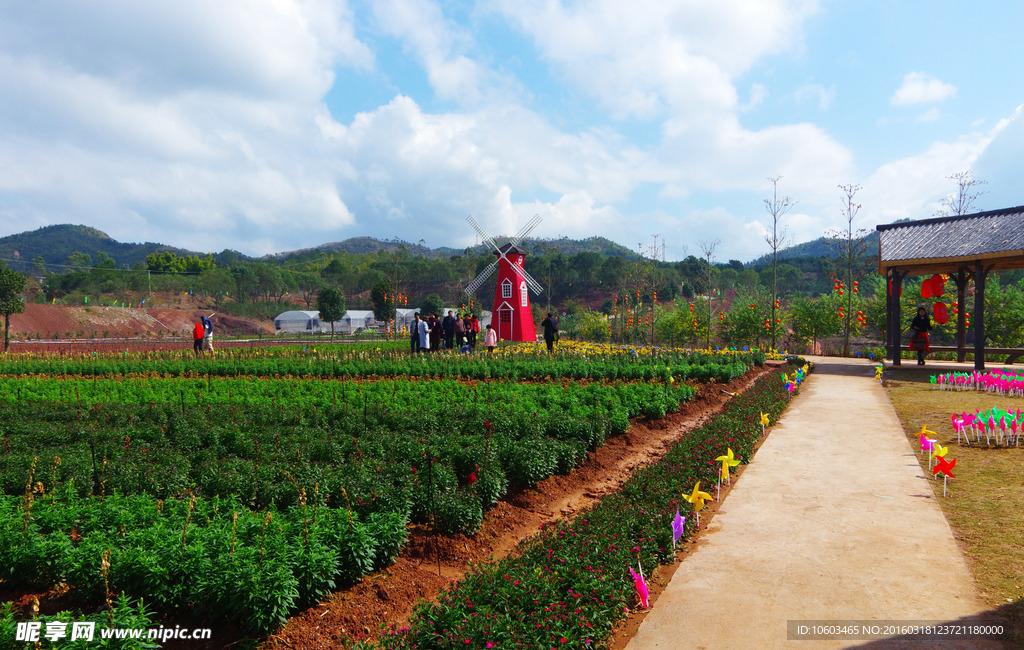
[
  {"x": 652, "y": 58},
  {"x": 920, "y": 88}
]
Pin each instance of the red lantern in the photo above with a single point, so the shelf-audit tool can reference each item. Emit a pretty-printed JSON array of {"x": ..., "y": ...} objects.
[
  {"x": 938, "y": 285},
  {"x": 926, "y": 288}
]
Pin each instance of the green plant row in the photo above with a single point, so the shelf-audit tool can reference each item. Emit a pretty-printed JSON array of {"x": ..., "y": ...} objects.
[
  {"x": 571, "y": 583},
  {"x": 213, "y": 556},
  {"x": 377, "y": 447},
  {"x": 343, "y": 363}
]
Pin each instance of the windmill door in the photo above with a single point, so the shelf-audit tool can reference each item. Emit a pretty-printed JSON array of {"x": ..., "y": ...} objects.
[{"x": 504, "y": 326}]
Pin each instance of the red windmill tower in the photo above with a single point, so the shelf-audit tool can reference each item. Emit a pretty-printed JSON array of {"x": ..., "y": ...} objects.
[{"x": 511, "y": 316}]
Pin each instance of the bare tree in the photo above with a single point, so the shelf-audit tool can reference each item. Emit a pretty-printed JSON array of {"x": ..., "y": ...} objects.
[
  {"x": 963, "y": 201},
  {"x": 707, "y": 249},
  {"x": 849, "y": 263},
  {"x": 776, "y": 239}
]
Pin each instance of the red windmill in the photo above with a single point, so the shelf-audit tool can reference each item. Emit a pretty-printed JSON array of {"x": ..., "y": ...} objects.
[{"x": 511, "y": 316}]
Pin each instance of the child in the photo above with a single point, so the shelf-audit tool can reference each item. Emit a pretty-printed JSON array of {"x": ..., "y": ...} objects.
[{"x": 491, "y": 339}]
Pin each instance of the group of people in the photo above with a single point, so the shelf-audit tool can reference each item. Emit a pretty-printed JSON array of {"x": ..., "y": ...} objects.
[
  {"x": 202, "y": 336},
  {"x": 454, "y": 331}
]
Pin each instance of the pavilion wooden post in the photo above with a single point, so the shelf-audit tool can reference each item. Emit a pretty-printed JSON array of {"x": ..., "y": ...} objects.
[
  {"x": 961, "y": 314},
  {"x": 980, "y": 275},
  {"x": 892, "y": 311}
]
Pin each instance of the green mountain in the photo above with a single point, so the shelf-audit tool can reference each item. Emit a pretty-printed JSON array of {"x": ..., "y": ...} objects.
[
  {"x": 55, "y": 243},
  {"x": 815, "y": 248},
  {"x": 365, "y": 245}
]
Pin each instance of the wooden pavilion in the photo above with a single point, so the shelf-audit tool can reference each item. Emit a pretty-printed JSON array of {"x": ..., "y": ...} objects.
[{"x": 965, "y": 247}]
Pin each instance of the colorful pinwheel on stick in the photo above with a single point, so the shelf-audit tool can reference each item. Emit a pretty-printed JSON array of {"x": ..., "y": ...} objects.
[
  {"x": 697, "y": 498},
  {"x": 946, "y": 468},
  {"x": 640, "y": 583},
  {"x": 764, "y": 422},
  {"x": 678, "y": 528},
  {"x": 728, "y": 460},
  {"x": 938, "y": 451}
]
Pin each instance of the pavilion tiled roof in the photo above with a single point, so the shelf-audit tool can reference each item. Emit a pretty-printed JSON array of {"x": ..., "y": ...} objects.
[{"x": 997, "y": 236}]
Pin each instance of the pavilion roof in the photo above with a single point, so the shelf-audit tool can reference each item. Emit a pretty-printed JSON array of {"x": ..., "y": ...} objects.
[{"x": 995, "y": 238}]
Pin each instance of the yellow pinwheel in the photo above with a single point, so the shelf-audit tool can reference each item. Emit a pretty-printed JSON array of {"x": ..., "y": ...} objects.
[
  {"x": 764, "y": 420},
  {"x": 728, "y": 460},
  {"x": 697, "y": 498},
  {"x": 938, "y": 451}
]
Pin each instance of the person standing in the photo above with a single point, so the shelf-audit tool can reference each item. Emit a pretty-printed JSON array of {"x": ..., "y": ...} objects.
[
  {"x": 919, "y": 341},
  {"x": 550, "y": 326},
  {"x": 198, "y": 335},
  {"x": 434, "y": 325},
  {"x": 424, "y": 334},
  {"x": 448, "y": 330},
  {"x": 460, "y": 331},
  {"x": 414, "y": 334},
  {"x": 473, "y": 329},
  {"x": 490, "y": 339},
  {"x": 207, "y": 333}
]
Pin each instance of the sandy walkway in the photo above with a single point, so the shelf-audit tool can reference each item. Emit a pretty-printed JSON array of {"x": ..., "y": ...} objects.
[{"x": 833, "y": 521}]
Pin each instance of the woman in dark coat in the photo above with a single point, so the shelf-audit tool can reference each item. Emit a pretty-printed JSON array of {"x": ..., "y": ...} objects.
[{"x": 919, "y": 340}]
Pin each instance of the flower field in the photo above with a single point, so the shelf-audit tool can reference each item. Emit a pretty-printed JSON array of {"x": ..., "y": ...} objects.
[
  {"x": 250, "y": 484},
  {"x": 571, "y": 583}
]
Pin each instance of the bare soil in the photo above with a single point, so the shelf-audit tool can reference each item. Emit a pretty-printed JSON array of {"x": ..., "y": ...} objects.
[{"x": 94, "y": 324}]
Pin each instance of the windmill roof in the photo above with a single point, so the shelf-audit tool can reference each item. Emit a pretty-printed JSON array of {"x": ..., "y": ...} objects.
[{"x": 512, "y": 248}]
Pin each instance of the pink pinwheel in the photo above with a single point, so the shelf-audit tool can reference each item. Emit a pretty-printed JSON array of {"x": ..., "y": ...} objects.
[{"x": 640, "y": 583}]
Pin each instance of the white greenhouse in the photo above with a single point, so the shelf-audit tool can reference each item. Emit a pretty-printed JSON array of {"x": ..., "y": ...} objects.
[{"x": 297, "y": 322}]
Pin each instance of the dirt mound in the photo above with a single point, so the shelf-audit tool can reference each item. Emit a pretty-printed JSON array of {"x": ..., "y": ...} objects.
[{"x": 60, "y": 322}]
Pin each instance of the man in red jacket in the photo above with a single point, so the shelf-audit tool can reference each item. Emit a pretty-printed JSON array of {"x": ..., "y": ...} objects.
[{"x": 198, "y": 334}]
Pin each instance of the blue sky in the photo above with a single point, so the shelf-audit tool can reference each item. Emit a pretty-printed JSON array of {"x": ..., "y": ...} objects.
[{"x": 272, "y": 125}]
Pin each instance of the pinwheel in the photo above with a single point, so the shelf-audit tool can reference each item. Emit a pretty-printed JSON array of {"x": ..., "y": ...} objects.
[
  {"x": 764, "y": 422},
  {"x": 697, "y": 498},
  {"x": 640, "y": 583},
  {"x": 946, "y": 467},
  {"x": 728, "y": 460},
  {"x": 678, "y": 528}
]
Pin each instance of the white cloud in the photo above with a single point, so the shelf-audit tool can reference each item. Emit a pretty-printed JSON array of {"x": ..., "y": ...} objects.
[
  {"x": 188, "y": 122},
  {"x": 651, "y": 58},
  {"x": 437, "y": 43},
  {"x": 929, "y": 115},
  {"x": 913, "y": 187},
  {"x": 921, "y": 88},
  {"x": 816, "y": 93}
]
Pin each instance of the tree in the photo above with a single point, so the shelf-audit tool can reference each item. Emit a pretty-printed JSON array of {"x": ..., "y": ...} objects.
[
  {"x": 432, "y": 304},
  {"x": 331, "y": 305},
  {"x": 963, "y": 201},
  {"x": 308, "y": 283},
  {"x": 382, "y": 297},
  {"x": 12, "y": 283},
  {"x": 707, "y": 248},
  {"x": 776, "y": 239},
  {"x": 814, "y": 319},
  {"x": 849, "y": 264}
]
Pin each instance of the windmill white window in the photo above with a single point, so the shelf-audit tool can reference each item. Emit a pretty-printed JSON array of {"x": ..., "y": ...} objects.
[
  {"x": 523, "y": 296},
  {"x": 506, "y": 288}
]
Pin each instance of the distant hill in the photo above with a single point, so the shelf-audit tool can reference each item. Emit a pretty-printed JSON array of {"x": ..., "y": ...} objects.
[
  {"x": 815, "y": 248},
  {"x": 55, "y": 243},
  {"x": 364, "y": 245}
]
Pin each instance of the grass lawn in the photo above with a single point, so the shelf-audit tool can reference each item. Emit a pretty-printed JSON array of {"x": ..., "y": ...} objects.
[{"x": 985, "y": 503}]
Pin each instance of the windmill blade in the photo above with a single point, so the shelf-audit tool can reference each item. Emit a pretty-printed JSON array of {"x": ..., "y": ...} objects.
[
  {"x": 530, "y": 282},
  {"x": 483, "y": 233},
  {"x": 480, "y": 279},
  {"x": 525, "y": 230}
]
